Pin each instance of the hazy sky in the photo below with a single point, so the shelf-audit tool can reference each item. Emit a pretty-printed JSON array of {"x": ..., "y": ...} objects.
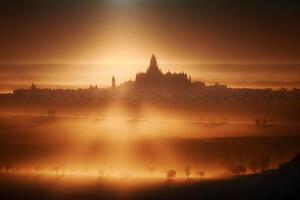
[{"x": 129, "y": 31}]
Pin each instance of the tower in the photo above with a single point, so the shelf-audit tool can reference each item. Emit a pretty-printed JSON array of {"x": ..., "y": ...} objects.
[
  {"x": 113, "y": 82},
  {"x": 153, "y": 61},
  {"x": 153, "y": 67}
]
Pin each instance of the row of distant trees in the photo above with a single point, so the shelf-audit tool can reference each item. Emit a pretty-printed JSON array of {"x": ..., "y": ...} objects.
[
  {"x": 187, "y": 171},
  {"x": 170, "y": 174},
  {"x": 254, "y": 166},
  {"x": 60, "y": 171},
  {"x": 199, "y": 94},
  {"x": 263, "y": 122}
]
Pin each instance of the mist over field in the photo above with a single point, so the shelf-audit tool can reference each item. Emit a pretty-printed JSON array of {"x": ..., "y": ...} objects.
[
  {"x": 149, "y": 99},
  {"x": 162, "y": 122},
  {"x": 73, "y": 76},
  {"x": 121, "y": 147}
]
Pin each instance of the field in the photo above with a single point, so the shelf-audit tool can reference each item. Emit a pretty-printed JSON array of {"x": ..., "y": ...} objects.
[
  {"x": 90, "y": 158},
  {"x": 262, "y": 186},
  {"x": 129, "y": 148}
]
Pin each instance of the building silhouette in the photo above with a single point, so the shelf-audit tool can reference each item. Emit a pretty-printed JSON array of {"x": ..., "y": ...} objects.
[
  {"x": 154, "y": 77},
  {"x": 113, "y": 82},
  {"x": 153, "y": 70}
]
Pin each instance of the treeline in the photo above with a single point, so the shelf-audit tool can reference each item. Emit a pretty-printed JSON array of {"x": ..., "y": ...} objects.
[{"x": 196, "y": 97}]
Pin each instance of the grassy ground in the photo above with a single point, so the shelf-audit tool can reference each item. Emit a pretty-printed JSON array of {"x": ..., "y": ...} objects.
[{"x": 266, "y": 186}]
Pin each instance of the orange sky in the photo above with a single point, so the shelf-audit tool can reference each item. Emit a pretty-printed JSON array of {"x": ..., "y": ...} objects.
[
  {"x": 119, "y": 36},
  {"x": 129, "y": 31}
]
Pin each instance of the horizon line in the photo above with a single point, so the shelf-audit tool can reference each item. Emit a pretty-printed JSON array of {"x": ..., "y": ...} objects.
[{"x": 103, "y": 64}]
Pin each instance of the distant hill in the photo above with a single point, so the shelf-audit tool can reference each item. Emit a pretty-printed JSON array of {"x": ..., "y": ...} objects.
[
  {"x": 280, "y": 184},
  {"x": 283, "y": 183}
]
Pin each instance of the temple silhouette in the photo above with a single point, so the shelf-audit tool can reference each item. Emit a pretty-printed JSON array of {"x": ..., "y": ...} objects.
[
  {"x": 154, "y": 87},
  {"x": 154, "y": 77}
]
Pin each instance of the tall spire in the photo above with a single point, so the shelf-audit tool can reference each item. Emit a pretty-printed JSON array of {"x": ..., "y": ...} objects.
[
  {"x": 153, "y": 62},
  {"x": 113, "y": 82},
  {"x": 153, "y": 68}
]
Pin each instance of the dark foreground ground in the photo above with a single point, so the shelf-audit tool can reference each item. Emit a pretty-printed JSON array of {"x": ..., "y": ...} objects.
[
  {"x": 283, "y": 183},
  {"x": 26, "y": 140}
]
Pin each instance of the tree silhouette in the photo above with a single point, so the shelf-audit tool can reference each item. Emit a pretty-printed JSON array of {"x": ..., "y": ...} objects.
[
  {"x": 171, "y": 174},
  {"x": 201, "y": 174},
  {"x": 239, "y": 169},
  {"x": 264, "y": 122},
  {"x": 258, "y": 122},
  {"x": 187, "y": 171}
]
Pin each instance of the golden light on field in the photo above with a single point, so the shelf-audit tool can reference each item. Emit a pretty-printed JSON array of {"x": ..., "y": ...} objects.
[
  {"x": 117, "y": 144},
  {"x": 149, "y": 99}
]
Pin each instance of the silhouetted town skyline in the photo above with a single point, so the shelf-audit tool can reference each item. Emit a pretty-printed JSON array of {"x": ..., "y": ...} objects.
[
  {"x": 153, "y": 77},
  {"x": 167, "y": 90}
]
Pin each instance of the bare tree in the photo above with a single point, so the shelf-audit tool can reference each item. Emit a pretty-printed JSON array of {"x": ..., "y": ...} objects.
[
  {"x": 264, "y": 122},
  {"x": 239, "y": 169},
  {"x": 201, "y": 174},
  {"x": 187, "y": 171},
  {"x": 171, "y": 174}
]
